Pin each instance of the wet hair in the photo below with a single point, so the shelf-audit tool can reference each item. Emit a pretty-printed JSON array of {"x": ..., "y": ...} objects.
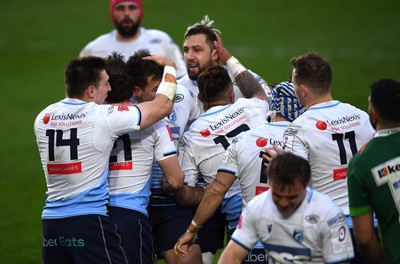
[
  {"x": 82, "y": 72},
  {"x": 286, "y": 168},
  {"x": 385, "y": 99},
  {"x": 120, "y": 81},
  {"x": 313, "y": 71},
  {"x": 141, "y": 69},
  {"x": 214, "y": 83},
  {"x": 205, "y": 27}
]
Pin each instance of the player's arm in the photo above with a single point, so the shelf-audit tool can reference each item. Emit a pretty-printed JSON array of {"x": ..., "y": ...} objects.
[
  {"x": 173, "y": 174},
  {"x": 233, "y": 253},
  {"x": 208, "y": 206},
  {"x": 161, "y": 106},
  {"x": 248, "y": 84},
  {"x": 367, "y": 241}
]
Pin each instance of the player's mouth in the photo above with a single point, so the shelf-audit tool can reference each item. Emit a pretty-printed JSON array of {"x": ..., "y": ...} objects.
[{"x": 194, "y": 67}]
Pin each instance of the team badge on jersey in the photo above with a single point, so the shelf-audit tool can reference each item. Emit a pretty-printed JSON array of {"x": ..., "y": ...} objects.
[
  {"x": 298, "y": 235},
  {"x": 172, "y": 117}
]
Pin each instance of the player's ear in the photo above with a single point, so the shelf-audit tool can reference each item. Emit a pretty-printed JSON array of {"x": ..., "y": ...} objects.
[
  {"x": 137, "y": 92},
  {"x": 91, "y": 91},
  {"x": 304, "y": 90},
  {"x": 214, "y": 55}
]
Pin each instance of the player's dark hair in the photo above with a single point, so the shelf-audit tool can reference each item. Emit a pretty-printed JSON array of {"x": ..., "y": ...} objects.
[
  {"x": 214, "y": 83},
  {"x": 82, "y": 72},
  {"x": 385, "y": 98},
  {"x": 286, "y": 168},
  {"x": 313, "y": 71},
  {"x": 141, "y": 69},
  {"x": 205, "y": 27},
  {"x": 121, "y": 82}
]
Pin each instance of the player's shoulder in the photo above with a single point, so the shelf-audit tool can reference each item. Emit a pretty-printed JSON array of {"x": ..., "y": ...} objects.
[
  {"x": 155, "y": 33},
  {"x": 104, "y": 38},
  {"x": 321, "y": 203}
]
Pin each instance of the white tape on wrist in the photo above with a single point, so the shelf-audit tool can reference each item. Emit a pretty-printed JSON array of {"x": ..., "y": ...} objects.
[
  {"x": 168, "y": 88},
  {"x": 235, "y": 66},
  {"x": 170, "y": 70}
]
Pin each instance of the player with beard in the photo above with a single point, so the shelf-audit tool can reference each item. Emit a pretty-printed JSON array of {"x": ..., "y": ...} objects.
[
  {"x": 199, "y": 52},
  {"x": 129, "y": 36}
]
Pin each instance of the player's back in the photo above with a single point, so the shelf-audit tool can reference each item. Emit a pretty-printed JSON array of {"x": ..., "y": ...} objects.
[
  {"x": 203, "y": 146},
  {"x": 242, "y": 158},
  {"x": 75, "y": 139},
  {"x": 328, "y": 135},
  {"x": 131, "y": 164}
]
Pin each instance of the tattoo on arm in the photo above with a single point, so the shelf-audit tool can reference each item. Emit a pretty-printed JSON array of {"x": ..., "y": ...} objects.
[
  {"x": 219, "y": 182},
  {"x": 248, "y": 84}
]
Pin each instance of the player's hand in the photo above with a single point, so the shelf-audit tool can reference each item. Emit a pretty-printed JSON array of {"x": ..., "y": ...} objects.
[
  {"x": 271, "y": 153},
  {"x": 161, "y": 60},
  {"x": 180, "y": 247},
  {"x": 222, "y": 52}
]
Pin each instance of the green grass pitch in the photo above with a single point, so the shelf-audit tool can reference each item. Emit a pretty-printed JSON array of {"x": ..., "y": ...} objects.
[{"x": 360, "y": 38}]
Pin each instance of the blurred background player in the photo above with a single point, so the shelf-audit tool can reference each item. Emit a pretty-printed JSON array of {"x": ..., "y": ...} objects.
[
  {"x": 130, "y": 167},
  {"x": 129, "y": 36},
  {"x": 242, "y": 161},
  {"x": 294, "y": 223},
  {"x": 374, "y": 178}
]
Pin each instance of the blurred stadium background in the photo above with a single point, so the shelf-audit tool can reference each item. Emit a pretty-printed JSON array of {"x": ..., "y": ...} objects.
[{"x": 37, "y": 39}]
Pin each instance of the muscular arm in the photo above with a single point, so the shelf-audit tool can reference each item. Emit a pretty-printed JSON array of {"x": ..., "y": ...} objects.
[
  {"x": 173, "y": 175},
  {"x": 161, "y": 106},
  {"x": 189, "y": 196},
  {"x": 233, "y": 253},
  {"x": 367, "y": 241},
  {"x": 213, "y": 197},
  {"x": 248, "y": 84}
]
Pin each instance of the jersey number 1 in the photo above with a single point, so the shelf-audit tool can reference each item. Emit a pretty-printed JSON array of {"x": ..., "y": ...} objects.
[{"x": 338, "y": 137}]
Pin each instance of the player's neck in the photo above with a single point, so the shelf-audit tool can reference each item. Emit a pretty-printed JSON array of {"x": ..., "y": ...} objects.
[
  {"x": 216, "y": 103},
  {"x": 318, "y": 99}
]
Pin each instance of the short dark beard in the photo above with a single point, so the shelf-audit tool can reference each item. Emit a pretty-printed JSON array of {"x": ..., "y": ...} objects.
[{"x": 127, "y": 32}]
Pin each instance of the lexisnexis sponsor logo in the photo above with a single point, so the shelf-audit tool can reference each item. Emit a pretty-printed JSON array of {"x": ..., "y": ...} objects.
[
  {"x": 56, "y": 117},
  {"x": 343, "y": 120},
  {"x": 227, "y": 118}
]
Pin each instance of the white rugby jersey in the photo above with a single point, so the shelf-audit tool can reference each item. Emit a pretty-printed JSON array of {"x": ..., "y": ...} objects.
[
  {"x": 177, "y": 121},
  {"x": 242, "y": 158},
  {"x": 316, "y": 232},
  {"x": 202, "y": 147},
  {"x": 193, "y": 86},
  {"x": 75, "y": 139},
  {"x": 328, "y": 135},
  {"x": 131, "y": 163},
  {"x": 156, "y": 41}
]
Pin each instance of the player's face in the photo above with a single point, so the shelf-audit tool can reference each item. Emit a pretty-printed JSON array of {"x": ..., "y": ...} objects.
[
  {"x": 288, "y": 198},
  {"x": 198, "y": 55},
  {"x": 126, "y": 17},
  {"x": 149, "y": 92},
  {"x": 102, "y": 90}
]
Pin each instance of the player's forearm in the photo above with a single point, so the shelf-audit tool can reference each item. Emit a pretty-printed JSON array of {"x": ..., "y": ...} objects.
[
  {"x": 372, "y": 250},
  {"x": 209, "y": 204},
  {"x": 189, "y": 196},
  {"x": 248, "y": 84}
]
